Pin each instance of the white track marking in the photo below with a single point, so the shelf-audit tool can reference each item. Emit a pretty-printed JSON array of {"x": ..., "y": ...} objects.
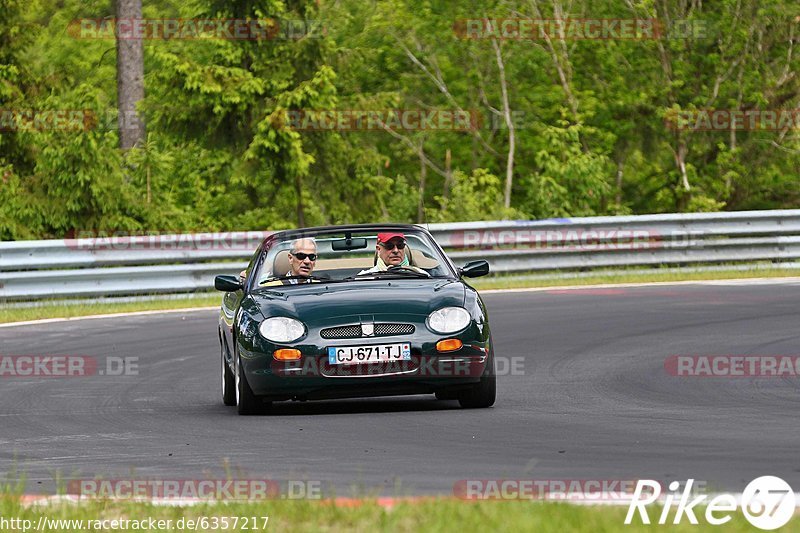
[
  {"x": 739, "y": 282},
  {"x": 111, "y": 315}
]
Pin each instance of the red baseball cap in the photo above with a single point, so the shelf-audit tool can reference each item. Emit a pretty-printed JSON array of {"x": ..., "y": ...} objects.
[{"x": 386, "y": 237}]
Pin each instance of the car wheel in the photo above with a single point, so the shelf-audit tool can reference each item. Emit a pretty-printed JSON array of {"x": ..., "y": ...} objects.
[
  {"x": 247, "y": 403},
  {"x": 483, "y": 394},
  {"x": 228, "y": 380}
]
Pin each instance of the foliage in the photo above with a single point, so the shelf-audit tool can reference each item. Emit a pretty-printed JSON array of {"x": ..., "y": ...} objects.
[
  {"x": 591, "y": 118},
  {"x": 476, "y": 196}
]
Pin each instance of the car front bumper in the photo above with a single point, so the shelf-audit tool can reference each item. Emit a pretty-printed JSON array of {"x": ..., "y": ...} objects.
[{"x": 312, "y": 377}]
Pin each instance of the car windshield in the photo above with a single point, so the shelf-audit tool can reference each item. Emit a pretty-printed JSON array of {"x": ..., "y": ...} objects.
[{"x": 349, "y": 256}]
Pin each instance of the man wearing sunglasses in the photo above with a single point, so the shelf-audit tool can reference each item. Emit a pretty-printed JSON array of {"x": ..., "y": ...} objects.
[
  {"x": 302, "y": 259},
  {"x": 391, "y": 251}
]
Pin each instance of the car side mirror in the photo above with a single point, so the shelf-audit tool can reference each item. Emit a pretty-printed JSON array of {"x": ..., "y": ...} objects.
[
  {"x": 474, "y": 269},
  {"x": 228, "y": 283}
]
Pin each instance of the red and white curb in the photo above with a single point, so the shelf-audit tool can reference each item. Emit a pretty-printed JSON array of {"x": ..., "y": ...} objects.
[
  {"x": 604, "y": 499},
  {"x": 33, "y": 500}
]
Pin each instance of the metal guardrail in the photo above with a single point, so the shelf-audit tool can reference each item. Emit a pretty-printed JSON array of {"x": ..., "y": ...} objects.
[
  {"x": 98, "y": 266},
  {"x": 104, "y": 250}
]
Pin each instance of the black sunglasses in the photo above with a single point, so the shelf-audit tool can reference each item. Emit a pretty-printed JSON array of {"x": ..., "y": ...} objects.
[
  {"x": 391, "y": 246},
  {"x": 302, "y": 257}
]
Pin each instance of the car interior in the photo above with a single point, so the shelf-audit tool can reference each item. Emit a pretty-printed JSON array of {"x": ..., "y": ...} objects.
[{"x": 339, "y": 259}]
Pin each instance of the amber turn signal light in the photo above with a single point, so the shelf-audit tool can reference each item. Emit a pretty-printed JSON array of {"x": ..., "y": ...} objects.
[
  {"x": 449, "y": 345},
  {"x": 286, "y": 354}
]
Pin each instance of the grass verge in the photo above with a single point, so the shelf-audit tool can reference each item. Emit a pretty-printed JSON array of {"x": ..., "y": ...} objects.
[
  {"x": 427, "y": 515},
  {"x": 69, "y": 310},
  {"x": 632, "y": 276}
]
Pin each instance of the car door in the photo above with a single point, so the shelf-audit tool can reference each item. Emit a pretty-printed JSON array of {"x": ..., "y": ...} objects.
[{"x": 231, "y": 302}]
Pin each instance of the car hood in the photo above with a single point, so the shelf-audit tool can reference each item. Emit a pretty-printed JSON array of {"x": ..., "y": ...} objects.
[{"x": 327, "y": 303}]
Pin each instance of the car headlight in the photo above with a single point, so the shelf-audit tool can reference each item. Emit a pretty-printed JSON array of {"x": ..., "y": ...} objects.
[
  {"x": 448, "y": 319},
  {"x": 282, "y": 329}
]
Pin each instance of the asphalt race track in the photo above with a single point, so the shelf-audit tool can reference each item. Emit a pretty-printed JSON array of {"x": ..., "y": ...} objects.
[{"x": 589, "y": 398}]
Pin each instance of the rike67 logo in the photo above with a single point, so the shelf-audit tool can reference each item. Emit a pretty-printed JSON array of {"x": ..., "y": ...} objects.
[{"x": 767, "y": 502}]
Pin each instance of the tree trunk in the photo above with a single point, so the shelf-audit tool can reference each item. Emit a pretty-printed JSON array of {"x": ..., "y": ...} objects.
[
  {"x": 130, "y": 78},
  {"x": 680, "y": 160},
  {"x": 423, "y": 171},
  {"x": 301, "y": 212},
  {"x": 509, "y": 124},
  {"x": 448, "y": 178}
]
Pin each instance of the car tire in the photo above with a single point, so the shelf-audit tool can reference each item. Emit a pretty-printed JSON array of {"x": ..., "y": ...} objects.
[
  {"x": 228, "y": 380},
  {"x": 484, "y": 393},
  {"x": 247, "y": 403}
]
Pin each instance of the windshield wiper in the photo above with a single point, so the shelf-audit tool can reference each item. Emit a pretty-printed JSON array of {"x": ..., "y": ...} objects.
[
  {"x": 397, "y": 270},
  {"x": 281, "y": 278}
]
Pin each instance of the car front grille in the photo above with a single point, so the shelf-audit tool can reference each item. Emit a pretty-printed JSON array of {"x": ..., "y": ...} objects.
[
  {"x": 354, "y": 331},
  {"x": 393, "y": 329},
  {"x": 341, "y": 332}
]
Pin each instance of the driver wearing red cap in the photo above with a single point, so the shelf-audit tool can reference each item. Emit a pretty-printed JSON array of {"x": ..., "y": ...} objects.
[{"x": 391, "y": 251}]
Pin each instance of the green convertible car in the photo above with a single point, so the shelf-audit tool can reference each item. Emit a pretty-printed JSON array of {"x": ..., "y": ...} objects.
[{"x": 353, "y": 311}]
